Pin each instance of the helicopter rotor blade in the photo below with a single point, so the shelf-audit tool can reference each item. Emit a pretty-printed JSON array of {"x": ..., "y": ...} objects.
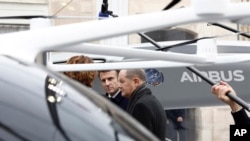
[
  {"x": 183, "y": 43},
  {"x": 229, "y": 28},
  {"x": 171, "y": 4},
  {"x": 195, "y": 40}
]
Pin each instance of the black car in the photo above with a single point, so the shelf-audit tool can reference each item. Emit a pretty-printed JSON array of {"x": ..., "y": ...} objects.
[{"x": 37, "y": 104}]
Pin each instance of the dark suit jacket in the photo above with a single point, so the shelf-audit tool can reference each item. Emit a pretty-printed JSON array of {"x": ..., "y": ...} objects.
[
  {"x": 241, "y": 117},
  {"x": 144, "y": 107},
  {"x": 174, "y": 114},
  {"x": 120, "y": 101}
]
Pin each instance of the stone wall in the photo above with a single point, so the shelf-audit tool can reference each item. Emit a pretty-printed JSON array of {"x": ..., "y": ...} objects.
[{"x": 22, "y": 7}]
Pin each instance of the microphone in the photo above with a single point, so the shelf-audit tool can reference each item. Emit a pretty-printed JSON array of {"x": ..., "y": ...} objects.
[{"x": 230, "y": 95}]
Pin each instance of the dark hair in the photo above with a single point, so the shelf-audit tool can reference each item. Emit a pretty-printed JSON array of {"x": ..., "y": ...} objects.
[
  {"x": 103, "y": 71},
  {"x": 84, "y": 77}
]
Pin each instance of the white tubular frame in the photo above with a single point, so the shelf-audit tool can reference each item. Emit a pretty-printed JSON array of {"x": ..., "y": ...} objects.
[
  {"x": 146, "y": 64},
  {"x": 52, "y": 38},
  {"x": 117, "y": 65},
  {"x": 136, "y": 53}
]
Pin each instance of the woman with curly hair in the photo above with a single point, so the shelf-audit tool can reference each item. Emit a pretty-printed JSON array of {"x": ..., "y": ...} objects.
[{"x": 84, "y": 77}]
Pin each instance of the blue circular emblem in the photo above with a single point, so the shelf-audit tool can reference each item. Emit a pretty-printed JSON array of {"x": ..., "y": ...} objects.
[{"x": 154, "y": 77}]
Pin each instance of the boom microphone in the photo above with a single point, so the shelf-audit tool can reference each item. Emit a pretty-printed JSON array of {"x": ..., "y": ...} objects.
[{"x": 230, "y": 95}]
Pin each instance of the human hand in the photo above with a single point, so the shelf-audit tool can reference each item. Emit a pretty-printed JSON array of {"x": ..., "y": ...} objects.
[{"x": 221, "y": 90}]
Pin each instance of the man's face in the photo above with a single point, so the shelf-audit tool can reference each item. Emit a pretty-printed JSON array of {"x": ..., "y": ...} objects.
[
  {"x": 126, "y": 85},
  {"x": 109, "y": 82}
]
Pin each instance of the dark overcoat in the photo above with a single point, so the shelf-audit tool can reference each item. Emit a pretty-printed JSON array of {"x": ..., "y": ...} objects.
[
  {"x": 120, "y": 101},
  {"x": 241, "y": 117},
  {"x": 144, "y": 107},
  {"x": 173, "y": 114}
]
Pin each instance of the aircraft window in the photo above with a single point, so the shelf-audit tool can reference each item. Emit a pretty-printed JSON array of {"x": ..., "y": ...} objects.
[
  {"x": 24, "y": 116},
  {"x": 8, "y": 133},
  {"x": 73, "y": 116},
  {"x": 38, "y": 106},
  {"x": 22, "y": 112}
]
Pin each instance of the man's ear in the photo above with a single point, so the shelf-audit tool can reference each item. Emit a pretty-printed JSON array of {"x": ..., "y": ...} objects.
[{"x": 136, "y": 81}]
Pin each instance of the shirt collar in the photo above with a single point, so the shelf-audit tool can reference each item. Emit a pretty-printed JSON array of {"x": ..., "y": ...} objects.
[{"x": 114, "y": 94}]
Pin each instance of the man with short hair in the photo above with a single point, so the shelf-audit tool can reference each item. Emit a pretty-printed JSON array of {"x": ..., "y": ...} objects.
[
  {"x": 109, "y": 81},
  {"x": 143, "y": 106}
]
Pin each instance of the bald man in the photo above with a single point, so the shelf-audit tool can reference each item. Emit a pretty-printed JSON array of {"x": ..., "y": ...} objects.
[{"x": 142, "y": 105}]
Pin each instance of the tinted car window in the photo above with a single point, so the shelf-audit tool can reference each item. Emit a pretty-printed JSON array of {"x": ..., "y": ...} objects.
[
  {"x": 36, "y": 104},
  {"x": 24, "y": 112}
]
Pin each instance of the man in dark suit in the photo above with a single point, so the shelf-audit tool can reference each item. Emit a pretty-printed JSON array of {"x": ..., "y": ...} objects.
[
  {"x": 143, "y": 106},
  {"x": 176, "y": 124},
  {"x": 109, "y": 81}
]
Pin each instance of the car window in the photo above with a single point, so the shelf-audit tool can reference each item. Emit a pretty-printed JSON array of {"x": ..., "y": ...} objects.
[
  {"x": 37, "y": 104},
  {"x": 24, "y": 116}
]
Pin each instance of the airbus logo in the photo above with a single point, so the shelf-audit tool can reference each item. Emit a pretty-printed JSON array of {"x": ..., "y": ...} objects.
[{"x": 230, "y": 75}]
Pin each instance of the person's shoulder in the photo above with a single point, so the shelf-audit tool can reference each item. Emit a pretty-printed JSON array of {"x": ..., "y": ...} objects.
[
  {"x": 120, "y": 98},
  {"x": 104, "y": 95},
  {"x": 148, "y": 100}
]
